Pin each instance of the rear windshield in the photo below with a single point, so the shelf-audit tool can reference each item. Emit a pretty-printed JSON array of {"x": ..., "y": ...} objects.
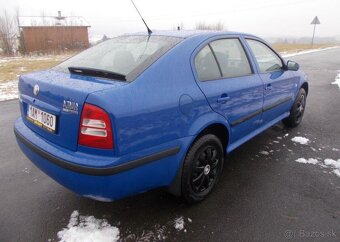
[{"x": 126, "y": 55}]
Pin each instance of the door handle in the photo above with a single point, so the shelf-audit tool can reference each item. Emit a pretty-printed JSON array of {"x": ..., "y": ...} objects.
[
  {"x": 223, "y": 99},
  {"x": 269, "y": 87}
]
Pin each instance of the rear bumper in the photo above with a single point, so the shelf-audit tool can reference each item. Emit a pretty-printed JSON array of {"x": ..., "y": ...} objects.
[{"x": 101, "y": 177}]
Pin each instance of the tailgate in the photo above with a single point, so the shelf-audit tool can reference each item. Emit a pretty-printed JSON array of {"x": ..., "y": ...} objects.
[{"x": 60, "y": 97}]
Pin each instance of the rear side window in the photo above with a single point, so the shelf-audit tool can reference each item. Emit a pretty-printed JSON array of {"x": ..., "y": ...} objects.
[
  {"x": 206, "y": 65},
  {"x": 266, "y": 59},
  {"x": 126, "y": 55},
  {"x": 231, "y": 58}
]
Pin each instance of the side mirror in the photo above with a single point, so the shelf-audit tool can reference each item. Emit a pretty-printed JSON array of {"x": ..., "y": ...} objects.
[{"x": 292, "y": 66}]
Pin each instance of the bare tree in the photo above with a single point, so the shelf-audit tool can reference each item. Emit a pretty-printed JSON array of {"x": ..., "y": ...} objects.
[
  {"x": 7, "y": 33},
  {"x": 219, "y": 26},
  {"x": 21, "y": 44},
  {"x": 16, "y": 19}
]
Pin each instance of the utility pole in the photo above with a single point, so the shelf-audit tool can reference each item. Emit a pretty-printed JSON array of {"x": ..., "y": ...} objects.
[{"x": 315, "y": 22}]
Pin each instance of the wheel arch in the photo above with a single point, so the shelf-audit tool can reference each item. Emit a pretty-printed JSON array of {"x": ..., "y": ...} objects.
[
  {"x": 305, "y": 86},
  {"x": 218, "y": 129}
]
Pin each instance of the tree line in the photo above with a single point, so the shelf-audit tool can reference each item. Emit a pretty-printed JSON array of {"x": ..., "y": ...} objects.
[{"x": 9, "y": 32}]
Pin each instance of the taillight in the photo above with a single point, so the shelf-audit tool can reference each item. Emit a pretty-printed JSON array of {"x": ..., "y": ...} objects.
[{"x": 95, "y": 128}]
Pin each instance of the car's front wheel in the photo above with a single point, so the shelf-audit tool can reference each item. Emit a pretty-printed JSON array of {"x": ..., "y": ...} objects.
[
  {"x": 202, "y": 167},
  {"x": 297, "y": 111}
]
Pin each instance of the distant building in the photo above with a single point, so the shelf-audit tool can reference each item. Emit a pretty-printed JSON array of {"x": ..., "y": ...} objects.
[{"x": 53, "y": 33}]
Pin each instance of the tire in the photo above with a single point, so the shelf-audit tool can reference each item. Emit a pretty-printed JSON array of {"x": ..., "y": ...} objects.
[
  {"x": 297, "y": 110},
  {"x": 202, "y": 168}
]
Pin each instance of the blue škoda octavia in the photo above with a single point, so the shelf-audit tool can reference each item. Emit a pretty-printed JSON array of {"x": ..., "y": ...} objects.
[{"x": 143, "y": 111}]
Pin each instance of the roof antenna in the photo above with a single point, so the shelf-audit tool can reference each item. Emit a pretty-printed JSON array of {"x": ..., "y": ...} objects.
[{"x": 149, "y": 30}]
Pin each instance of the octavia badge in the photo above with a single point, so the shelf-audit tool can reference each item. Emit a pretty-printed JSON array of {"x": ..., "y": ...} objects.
[
  {"x": 70, "y": 106},
  {"x": 36, "y": 89}
]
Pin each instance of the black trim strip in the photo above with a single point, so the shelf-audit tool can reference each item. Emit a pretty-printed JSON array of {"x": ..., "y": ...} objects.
[
  {"x": 245, "y": 118},
  {"x": 282, "y": 101},
  {"x": 218, "y": 64},
  {"x": 250, "y": 116},
  {"x": 96, "y": 171}
]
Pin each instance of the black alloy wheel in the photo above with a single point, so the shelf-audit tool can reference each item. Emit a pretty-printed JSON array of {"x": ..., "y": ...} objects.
[
  {"x": 202, "y": 168},
  {"x": 297, "y": 110}
]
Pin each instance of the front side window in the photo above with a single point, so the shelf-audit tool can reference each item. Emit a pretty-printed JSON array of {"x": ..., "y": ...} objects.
[
  {"x": 126, "y": 55},
  {"x": 206, "y": 65},
  {"x": 231, "y": 58},
  {"x": 266, "y": 59}
]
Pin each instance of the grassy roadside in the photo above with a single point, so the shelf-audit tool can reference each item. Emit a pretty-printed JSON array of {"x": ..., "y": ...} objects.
[
  {"x": 289, "y": 48},
  {"x": 12, "y": 67}
]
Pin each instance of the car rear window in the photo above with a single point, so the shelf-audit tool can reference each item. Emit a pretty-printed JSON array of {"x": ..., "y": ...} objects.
[{"x": 126, "y": 55}]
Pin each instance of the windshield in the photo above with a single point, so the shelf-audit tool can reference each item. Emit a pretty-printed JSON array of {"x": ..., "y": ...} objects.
[{"x": 126, "y": 55}]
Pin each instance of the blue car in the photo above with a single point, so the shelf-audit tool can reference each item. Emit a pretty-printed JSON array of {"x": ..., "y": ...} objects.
[{"x": 141, "y": 111}]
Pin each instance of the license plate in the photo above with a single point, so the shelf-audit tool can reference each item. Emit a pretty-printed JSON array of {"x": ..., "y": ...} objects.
[{"x": 41, "y": 118}]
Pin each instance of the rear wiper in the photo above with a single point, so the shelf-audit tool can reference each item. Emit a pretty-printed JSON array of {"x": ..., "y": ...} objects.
[{"x": 96, "y": 72}]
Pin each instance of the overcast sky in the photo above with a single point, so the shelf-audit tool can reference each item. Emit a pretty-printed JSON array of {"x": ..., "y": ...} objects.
[{"x": 266, "y": 18}]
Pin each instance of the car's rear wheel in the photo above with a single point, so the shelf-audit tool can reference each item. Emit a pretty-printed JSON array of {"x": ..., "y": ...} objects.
[
  {"x": 202, "y": 167},
  {"x": 297, "y": 111}
]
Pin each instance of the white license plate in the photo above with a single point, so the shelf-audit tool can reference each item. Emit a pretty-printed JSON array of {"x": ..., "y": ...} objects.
[{"x": 40, "y": 118}]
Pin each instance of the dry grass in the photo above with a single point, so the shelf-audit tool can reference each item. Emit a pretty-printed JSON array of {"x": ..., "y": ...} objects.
[
  {"x": 12, "y": 67},
  {"x": 283, "y": 47}
]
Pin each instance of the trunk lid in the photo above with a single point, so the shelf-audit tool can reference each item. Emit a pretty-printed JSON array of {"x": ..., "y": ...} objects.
[{"x": 63, "y": 95}]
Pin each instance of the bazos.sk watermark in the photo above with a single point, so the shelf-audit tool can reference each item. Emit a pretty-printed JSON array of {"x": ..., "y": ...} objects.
[{"x": 301, "y": 233}]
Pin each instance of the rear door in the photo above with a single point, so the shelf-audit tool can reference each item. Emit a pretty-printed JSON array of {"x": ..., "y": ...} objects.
[
  {"x": 279, "y": 85},
  {"x": 226, "y": 77}
]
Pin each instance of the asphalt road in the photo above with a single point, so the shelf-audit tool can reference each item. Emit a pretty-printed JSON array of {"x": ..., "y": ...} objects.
[{"x": 260, "y": 197}]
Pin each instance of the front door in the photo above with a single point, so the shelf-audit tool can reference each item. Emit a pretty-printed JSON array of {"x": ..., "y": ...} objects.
[{"x": 278, "y": 84}]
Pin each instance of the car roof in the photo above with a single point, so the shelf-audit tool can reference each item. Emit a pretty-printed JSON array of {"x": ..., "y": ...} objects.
[{"x": 190, "y": 33}]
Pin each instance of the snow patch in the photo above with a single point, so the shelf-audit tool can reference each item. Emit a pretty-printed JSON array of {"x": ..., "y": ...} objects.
[
  {"x": 301, "y": 140},
  {"x": 337, "y": 172},
  {"x": 8, "y": 90},
  {"x": 332, "y": 163},
  {"x": 328, "y": 163},
  {"x": 26, "y": 170},
  {"x": 179, "y": 223},
  {"x": 158, "y": 233},
  {"x": 337, "y": 80},
  {"x": 88, "y": 228},
  {"x": 263, "y": 152},
  {"x": 307, "y": 161}
]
